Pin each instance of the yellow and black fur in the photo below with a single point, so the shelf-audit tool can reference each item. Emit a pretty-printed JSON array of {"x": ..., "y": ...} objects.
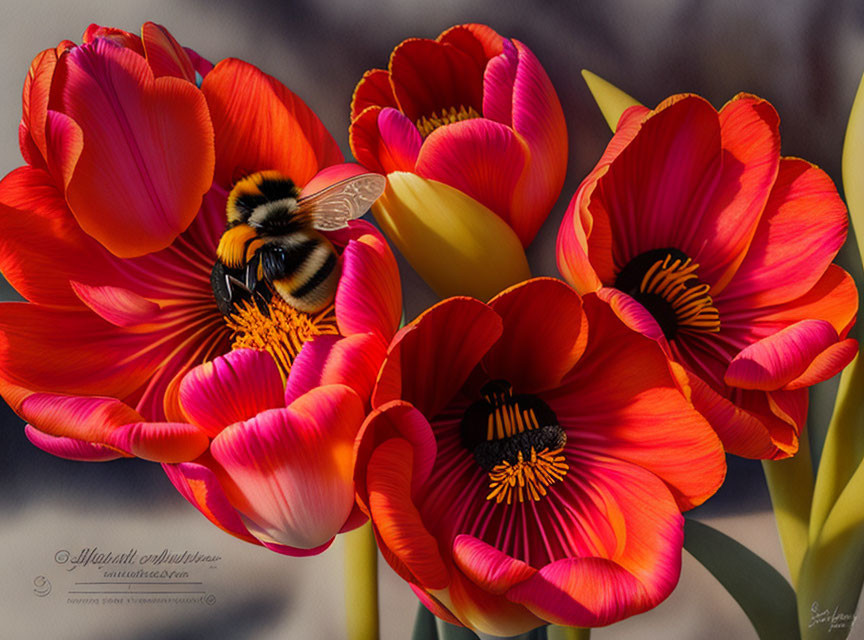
[{"x": 270, "y": 240}]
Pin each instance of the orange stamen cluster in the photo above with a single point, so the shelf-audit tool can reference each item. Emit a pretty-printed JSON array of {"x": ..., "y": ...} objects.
[
  {"x": 428, "y": 124},
  {"x": 675, "y": 281},
  {"x": 523, "y": 444},
  {"x": 282, "y": 333}
]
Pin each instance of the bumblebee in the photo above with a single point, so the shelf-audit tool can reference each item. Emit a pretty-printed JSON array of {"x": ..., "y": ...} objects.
[{"x": 272, "y": 245}]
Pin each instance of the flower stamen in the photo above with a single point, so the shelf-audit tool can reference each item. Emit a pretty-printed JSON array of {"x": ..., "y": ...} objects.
[
  {"x": 518, "y": 442},
  {"x": 428, "y": 124},
  {"x": 282, "y": 331},
  {"x": 664, "y": 281}
]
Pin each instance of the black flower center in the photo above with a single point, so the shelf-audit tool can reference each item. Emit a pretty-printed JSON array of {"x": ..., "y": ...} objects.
[
  {"x": 516, "y": 440},
  {"x": 664, "y": 281}
]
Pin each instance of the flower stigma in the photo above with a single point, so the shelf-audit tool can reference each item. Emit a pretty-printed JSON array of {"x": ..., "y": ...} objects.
[{"x": 517, "y": 441}]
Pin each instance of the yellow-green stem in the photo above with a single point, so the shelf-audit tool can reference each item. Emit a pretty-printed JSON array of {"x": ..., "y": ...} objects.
[
  {"x": 361, "y": 584},
  {"x": 555, "y": 632},
  {"x": 790, "y": 483}
]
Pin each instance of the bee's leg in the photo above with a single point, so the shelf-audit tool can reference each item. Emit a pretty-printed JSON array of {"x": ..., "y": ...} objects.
[
  {"x": 251, "y": 269},
  {"x": 262, "y": 301}
]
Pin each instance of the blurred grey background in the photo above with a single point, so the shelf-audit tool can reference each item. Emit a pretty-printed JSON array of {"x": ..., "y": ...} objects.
[{"x": 805, "y": 57}]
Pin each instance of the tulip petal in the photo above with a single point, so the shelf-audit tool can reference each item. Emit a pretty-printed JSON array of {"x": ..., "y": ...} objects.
[
  {"x": 373, "y": 90},
  {"x": 826, "y": 365},
  {"x": 455, "y": 243},
  {"x": 292, "y": 467},
  {"x": 498, "y": 80},
  {"x": 484, "y": 160},
  {"x": 117, "y": 36},
  {"x": 537, "y": 348},
  {"x": 71, "y": 448},
  {"x": 430, "y": 359},
  {"x": 329, "y": 176},
  {"x": 201, "y": 486},
  {"x": 164, "y": 54},
  {"x": 539, "y": 120},
  {"x": 28, "y": 200},
  {"x": 353, "y": 361},
  {"x": 260, "y": 124},
  {"x": 580, "y": 224},
  {"x": 632, "y": 313},
  {"x": 140, "y": 134},
  {"x": 434, "y": 605},
  {"x": 161, "y": 441},
  {"x": 742, "y": 432},
  {"x": 91, "y": 419},
  {"x": 395, "y": 419},
  {"x": 802, "y": 229},
  {"x": 389, "y": 479},
  {"x": 487, "y": 567},
  {"x": 369, "y": 294},
  {"x": 364, "y": 137},
  {"x": 119, "y": 306},
  {"x": 643, "y": 417},
  {"x": 428, "y": 76},
  {"x": 776, "y": 360},
  {"x": 385, "y": 140},
  {"x": 231, "y": 388},
  {"x": 37, "y": 89},
  {"x": 633, "y": 576},
  {"x": 65, "y": 142}
]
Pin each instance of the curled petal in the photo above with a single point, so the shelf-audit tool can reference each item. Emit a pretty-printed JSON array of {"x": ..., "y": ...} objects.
[
  {"x": 160, "y": 441},
  {"x": 140, "y": 132},
  {"x": 231, "y": 388},
  {"x": 395, "y": 419},
  {"x": 164, "y": 54},
  {"x": 455, "y": 243},
  {"x": 396, "y": 518},
  {"x": 119, "y": 306},
  {"x": 776, "y": 360},
  {"x": 269, "y": 128},
  {"x": 826, "y": 365},
  {"x": 385, "y": 140},
  {"x": 91, "y": 419},
  {"x": 71, "y": 448},
  {"x": 117, "y": 36},
  {"x": 487, "y": 567}
]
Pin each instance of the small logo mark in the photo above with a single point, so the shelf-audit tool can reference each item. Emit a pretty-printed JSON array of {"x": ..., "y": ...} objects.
[
  {"x": 210, "y": 599},
  {"x": 61, "y": 557},
  {"x": 41, "y": 586}
]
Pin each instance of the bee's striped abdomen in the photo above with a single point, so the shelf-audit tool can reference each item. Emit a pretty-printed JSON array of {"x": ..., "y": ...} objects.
[{"x": 303, "y": 272}]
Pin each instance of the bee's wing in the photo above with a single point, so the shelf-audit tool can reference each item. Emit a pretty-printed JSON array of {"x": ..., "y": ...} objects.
[{"x": 333, "y": 207}]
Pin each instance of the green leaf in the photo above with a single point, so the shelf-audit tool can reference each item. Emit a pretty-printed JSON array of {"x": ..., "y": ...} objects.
[
  {"x": 790, "y": 483},
  {"x": 763, "y": 594},
  {"x": 425, "y": 627},
  {"x": 448, "y": 631},
  {"x": 832, "y": 573},
  {"x": 611, "y": 100}
]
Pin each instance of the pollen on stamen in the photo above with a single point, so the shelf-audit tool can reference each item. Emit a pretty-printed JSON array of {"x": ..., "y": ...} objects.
[
  {"x": 282, "y": 333},
  {"x": 428, "y": 124},
  {"x": 517, "y": 441}
]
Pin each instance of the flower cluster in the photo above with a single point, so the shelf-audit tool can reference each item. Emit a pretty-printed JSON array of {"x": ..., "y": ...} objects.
[{"x": 525, "y": 450}]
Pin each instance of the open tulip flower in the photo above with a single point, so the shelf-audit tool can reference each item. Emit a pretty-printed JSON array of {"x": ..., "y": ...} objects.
[
  {"x": 131, "y": 145},
  {"x": 471, "y": 134},
  {"x": 523, "y": 467},
  {"x": 700, "y": 236}
]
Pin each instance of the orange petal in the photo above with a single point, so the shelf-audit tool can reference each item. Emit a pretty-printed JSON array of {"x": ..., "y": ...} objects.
[
  {"x": 164, "y": 54},
  {"x": 373, "y": 90},
  {"x": 260, "y": 124}
]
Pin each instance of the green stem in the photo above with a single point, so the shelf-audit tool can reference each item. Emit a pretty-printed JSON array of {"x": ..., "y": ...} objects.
[
  {"x": 361, "y": 584},
  {"x": 790, "y": 484},
  {"x": 555, "y": 632}
]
